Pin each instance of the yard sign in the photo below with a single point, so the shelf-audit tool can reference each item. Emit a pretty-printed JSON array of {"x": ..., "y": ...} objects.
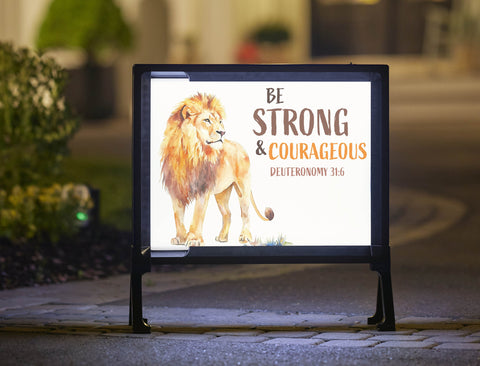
[{"x": 261, "y": 164}]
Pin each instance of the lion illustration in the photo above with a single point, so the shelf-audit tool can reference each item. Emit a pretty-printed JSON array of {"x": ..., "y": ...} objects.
[{"x": 196, "y": 162}]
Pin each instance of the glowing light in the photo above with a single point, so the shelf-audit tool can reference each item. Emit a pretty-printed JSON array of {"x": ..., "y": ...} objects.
[{"x": 82, "y": 216}]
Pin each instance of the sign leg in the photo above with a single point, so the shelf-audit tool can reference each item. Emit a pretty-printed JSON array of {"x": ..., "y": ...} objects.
[
  {"x": 384, "y": 315},
  {"x": 139, "y": 266},
  {"x": 387, "y": 300},
  {"x": 136, "y": 319},
  {"x": 378, "y": 316}
]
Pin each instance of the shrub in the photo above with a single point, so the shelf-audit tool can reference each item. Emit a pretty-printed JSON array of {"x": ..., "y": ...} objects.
[
  {"x": 42, "y": 214},
  {"x": 95, "y": 26},
  {"x": 273, "y": 33},
  {"x": 35, "y": 122}
]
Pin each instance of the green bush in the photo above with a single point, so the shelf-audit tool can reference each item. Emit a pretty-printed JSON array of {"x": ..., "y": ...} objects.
[
  {"x": 273, "y": 33},
  {"x": 35, "y": 122},
  {"x": 95, "y": 26},
  {"x": 43, "y": 214}
]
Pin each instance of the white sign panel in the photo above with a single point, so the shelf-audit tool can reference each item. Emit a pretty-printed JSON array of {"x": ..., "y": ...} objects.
[{"x": 298, "y": 151}]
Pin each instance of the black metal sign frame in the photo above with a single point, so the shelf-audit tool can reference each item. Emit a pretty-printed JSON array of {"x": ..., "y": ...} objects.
[{"x": 377, "y": 254}]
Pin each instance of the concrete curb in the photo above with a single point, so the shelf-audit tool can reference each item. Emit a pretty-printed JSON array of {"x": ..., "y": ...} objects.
[{"x": 238, "y": 326}]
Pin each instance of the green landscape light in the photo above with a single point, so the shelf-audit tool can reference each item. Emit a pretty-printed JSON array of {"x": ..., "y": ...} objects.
[{"x": 82, "y": 216}]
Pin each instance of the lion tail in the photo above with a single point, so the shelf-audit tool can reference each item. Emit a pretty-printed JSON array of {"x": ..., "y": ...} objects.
[{"x": 268, "y": 211}]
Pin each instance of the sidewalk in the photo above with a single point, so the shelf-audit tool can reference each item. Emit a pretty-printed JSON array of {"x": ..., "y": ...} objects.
[{"x": 240, "y": 326}]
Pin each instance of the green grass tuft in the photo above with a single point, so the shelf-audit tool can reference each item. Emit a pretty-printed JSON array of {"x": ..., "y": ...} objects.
[{"x": 281, "y": 240}]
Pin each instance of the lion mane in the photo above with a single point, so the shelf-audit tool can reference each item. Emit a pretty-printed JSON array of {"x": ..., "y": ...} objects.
[{"x": 184, "y": 158}]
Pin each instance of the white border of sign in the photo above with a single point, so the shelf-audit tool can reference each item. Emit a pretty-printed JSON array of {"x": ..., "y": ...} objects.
[{"x": 330, "y": 208}]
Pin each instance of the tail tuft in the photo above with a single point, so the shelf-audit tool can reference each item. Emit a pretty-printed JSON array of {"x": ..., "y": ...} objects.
[{"x": 269, "y": 213}]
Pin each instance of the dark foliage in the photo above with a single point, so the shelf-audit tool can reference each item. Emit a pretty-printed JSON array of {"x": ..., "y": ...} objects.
[{"x": 92, "y": 254}]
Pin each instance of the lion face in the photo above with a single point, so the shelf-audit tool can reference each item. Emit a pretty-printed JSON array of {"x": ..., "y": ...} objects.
[
  {"x": 210, "y": 129},
  {"x": 206, "y": 125}
]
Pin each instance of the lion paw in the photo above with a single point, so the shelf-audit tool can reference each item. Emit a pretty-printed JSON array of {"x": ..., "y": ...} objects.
[
  {"x": 194, "y": 241},
  {"x": 177, "y": 241},
  {"x": 221, "y": 239},
  {"x": 245, "y": 237}
]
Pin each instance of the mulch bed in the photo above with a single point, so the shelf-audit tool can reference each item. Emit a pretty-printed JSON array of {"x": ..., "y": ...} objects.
[{"x": 91, "y": 254}]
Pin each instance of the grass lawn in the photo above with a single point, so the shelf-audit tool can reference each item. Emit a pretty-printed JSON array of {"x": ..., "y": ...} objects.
[{"x": 114, "y": 180}]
